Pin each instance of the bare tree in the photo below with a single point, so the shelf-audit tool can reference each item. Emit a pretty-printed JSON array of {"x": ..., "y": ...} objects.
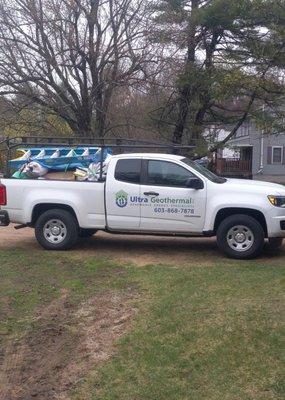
[{"x": 70, "y": 55}]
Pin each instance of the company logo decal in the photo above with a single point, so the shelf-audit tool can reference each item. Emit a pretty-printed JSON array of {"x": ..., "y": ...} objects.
[
  {"x": 158, "y": 205},
  {"x": 121, "y": 199}
]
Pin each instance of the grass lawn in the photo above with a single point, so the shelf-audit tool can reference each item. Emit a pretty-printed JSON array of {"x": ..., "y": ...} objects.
[{"x": 210, "y": 330}]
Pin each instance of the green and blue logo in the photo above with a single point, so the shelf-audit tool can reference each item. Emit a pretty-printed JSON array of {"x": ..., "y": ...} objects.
[{"x": 121, "y": 199}]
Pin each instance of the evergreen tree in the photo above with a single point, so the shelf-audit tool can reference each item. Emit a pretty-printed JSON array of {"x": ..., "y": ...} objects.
[{"x": 231, "y": 57}]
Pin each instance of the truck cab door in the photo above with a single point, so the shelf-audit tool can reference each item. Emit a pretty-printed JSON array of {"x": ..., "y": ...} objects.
[
  {"x": 122, "y": 188},
  {"x": 172, "y": 206}
]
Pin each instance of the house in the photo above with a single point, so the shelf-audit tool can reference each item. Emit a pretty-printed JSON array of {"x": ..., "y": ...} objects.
[{"x": 255, "y": 155}]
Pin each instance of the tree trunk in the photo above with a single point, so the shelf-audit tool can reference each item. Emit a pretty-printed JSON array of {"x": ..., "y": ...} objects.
[
  {"x": 183, "y": 108},
  {"x": 84, "y": 127},
  {"x": 100, "y": 124},
  {"x": 186, "y": 90}
]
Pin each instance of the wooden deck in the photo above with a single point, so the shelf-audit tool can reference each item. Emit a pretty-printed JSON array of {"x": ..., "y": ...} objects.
[{"x": 234, "y": 167}]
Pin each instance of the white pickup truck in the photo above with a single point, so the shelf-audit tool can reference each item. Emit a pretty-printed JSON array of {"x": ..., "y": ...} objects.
[{"x": 146, "y": 193}]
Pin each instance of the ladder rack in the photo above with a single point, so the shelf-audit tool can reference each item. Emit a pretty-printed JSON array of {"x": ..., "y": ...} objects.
[{"x": 118, "y": 145}]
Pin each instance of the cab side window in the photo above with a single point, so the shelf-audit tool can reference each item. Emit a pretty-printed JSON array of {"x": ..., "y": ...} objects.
[
  {"x": 128, "y": 170},
  {"x": 164, "y": 173}
]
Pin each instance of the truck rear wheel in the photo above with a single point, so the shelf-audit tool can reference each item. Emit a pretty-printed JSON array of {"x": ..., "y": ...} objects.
[
  {"x": 56, "y": 230},
  {"x": 240, "y": 236}
]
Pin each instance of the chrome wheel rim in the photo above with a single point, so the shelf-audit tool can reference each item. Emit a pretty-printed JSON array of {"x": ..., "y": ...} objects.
[
  {"x": 55, "y": 231},
  {"x": 240, "y": 238}
]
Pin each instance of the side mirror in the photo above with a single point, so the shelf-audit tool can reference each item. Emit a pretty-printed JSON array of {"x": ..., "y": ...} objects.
[{"x": 195, "y": 183}]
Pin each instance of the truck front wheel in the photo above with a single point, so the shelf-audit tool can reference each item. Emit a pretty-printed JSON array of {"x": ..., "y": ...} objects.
[
  {"x": 56, "y": 229},
  {"x": 240, "y": 236}
]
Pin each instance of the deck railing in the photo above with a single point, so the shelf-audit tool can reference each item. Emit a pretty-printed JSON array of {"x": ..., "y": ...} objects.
[{"x": 233, "y": 166}]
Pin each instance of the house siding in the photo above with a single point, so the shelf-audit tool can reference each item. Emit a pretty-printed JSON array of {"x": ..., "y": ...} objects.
[{"x": 270, "y": 172}]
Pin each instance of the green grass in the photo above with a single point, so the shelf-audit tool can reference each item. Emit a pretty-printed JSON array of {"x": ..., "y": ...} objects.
[{"x": 210, "y": 331}]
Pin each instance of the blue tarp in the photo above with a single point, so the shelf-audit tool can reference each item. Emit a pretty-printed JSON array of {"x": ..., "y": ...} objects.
[{"x": 57, "y": 160}]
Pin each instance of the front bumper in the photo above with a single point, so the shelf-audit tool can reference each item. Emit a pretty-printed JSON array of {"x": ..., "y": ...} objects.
[
  {"x": 276, "y": 223},
  {"x": 4, "y": 218}
]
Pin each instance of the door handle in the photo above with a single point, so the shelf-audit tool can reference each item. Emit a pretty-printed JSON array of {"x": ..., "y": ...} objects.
[{"x": 151, "y": 194}]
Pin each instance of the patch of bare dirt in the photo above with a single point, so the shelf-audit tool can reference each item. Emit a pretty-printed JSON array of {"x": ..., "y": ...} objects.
[
  {"x": 64, "y": 343},
  {"x": 138, "y": 249}
]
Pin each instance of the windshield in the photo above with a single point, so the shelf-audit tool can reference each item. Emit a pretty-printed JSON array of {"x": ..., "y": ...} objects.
[{"x": 204, "y": 171}]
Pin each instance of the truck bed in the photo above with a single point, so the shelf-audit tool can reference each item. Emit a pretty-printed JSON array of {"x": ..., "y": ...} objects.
[{"x": 85, "y": 198}]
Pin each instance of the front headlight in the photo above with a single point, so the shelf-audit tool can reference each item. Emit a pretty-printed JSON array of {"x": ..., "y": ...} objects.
[{"x": 277, "y": 201}]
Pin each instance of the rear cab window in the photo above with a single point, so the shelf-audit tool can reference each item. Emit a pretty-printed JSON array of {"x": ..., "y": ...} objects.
[{"x": 129, "y": 170}]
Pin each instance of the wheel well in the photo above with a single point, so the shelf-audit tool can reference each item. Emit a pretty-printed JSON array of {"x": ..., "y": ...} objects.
[
  {"x": 227, "y": 212},
  {"x": 41, "y": 208}
]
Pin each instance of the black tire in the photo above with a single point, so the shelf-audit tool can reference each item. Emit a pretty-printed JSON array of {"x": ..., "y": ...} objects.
[
  {"x": 274, "y": 244},
  {"x": 231, "y": 243},
  {"x": 66, "y": 224},
  {"x": 86, "y": 233}
]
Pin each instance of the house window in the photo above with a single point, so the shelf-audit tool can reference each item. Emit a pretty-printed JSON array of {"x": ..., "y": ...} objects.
[
  {"x": 244, "y": 130},
  {"x": 277, "y": 155}
]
